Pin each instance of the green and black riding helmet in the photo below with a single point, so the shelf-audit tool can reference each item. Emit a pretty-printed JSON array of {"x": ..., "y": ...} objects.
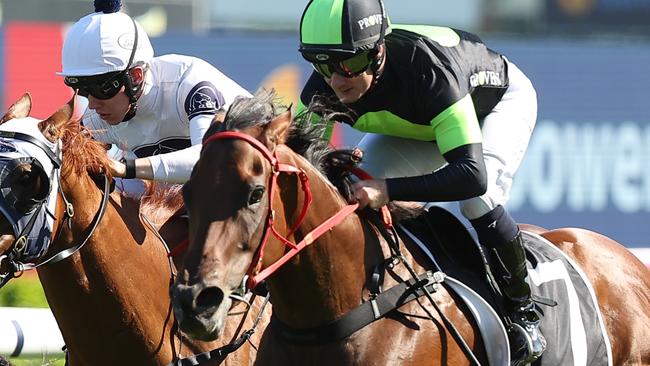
[{"x": 343, "y": 36}]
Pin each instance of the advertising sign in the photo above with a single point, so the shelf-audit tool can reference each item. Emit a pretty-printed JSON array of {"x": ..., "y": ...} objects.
[
  {"x": 618, "y": 14},
  {"x": 587, "y": 164}
]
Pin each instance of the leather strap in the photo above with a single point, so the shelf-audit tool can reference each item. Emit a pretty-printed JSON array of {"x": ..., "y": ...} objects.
[{"x": 362, "y": 315}]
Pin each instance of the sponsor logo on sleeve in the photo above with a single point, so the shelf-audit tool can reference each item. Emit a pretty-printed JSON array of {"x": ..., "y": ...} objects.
[{"x": 204, "y": 98}]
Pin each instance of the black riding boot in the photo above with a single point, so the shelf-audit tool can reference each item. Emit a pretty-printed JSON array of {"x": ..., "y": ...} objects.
[
  {"x": 509, "y": 266},
  {"x": 498, "y": 231}
]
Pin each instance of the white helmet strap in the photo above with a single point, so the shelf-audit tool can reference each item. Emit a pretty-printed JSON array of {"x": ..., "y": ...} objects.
[{"x": 131, "y": 91}]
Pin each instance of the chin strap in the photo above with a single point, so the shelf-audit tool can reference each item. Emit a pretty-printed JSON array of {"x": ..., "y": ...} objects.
[
  {"x": 377, "y": 65},
  {"x": 134, "y": 93},
  {"x": 375, "y": 72},
  {"x": 133, "y": 108}
]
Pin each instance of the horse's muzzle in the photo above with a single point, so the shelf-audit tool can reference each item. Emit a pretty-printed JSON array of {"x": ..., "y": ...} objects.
[{"x": 197, "y": 310}]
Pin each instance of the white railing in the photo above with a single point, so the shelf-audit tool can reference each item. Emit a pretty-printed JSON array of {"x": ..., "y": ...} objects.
[{"x": 29, "y": 332}]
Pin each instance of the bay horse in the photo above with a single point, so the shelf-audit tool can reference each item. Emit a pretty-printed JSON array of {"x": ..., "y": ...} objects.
[
  {"x": 260, "y": 210},
  {"x": 111, "y": 298}
]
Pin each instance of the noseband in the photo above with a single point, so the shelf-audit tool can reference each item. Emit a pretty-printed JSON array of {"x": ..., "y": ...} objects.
[{"x": 255, "y": 273}]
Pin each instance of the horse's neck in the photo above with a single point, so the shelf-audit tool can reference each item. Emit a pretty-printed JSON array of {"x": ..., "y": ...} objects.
[
  {"x": 329, "y": 273},
  {"x": 96, "y": 266},
  {"x": 85, "y": 201},
  {"x": 121, "y": 270}
]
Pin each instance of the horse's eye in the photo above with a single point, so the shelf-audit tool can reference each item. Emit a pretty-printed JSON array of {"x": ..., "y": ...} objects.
[
  {"x": 27, "y": 178},
  {"x": 256, "y": 195}
]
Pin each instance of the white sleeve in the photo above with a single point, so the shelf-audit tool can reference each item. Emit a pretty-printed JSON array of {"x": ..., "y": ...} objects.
[
  {"x": 198, "y": 126},
  {"x": 175, "y": 167},
  {"x": 204, "y": 90}
]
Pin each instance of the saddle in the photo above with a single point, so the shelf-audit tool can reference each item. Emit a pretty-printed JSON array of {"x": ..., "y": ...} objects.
[
  {"x": 452, "y": 249},
  {"x": 571, "y": 319}
]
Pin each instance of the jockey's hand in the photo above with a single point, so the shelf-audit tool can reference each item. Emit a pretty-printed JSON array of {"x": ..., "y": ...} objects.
[
  {"x": 118, "y": 169},
  {"x": 373, "y": 193}
]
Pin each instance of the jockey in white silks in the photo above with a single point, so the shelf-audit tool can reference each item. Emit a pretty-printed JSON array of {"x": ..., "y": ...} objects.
[{"x": 154, "y": 109}]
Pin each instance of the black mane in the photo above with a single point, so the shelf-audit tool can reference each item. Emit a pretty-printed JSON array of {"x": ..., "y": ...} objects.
[{"x": 305, "y": 137}]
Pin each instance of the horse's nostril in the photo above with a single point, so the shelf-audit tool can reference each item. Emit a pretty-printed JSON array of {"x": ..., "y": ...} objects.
[{"x": 209, "y": 297}]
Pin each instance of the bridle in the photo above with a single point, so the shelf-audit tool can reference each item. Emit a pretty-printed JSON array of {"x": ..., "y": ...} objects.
[
  {"x": 13, "y": 263},
  {"x": 255, "y": 273}
]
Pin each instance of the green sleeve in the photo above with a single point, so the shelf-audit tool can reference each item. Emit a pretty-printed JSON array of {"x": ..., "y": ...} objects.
[{"x": 457, "y": 126}]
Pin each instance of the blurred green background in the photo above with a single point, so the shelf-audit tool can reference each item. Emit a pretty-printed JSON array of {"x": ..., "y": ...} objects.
[{"x": 25, "y": 291}]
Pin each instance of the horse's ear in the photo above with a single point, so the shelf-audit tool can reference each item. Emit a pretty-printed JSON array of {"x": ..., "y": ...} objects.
[
  {"x": 278, "y": 129},
  {"x": 20, "y": 109},
  {"x": 52, "y": 128}
]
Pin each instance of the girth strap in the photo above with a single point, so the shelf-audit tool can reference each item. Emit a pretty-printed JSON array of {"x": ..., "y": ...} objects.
[{"x": 362, "y": 315}]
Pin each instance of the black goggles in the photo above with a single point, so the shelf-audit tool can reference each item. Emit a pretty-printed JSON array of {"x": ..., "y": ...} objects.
[
  {"x": 104, "y": 86},
  {"x": 349, "y": 67}
]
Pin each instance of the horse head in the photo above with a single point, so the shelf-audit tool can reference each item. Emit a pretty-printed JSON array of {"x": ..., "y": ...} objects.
[
  {"x": 117, "y": 271},
  {"x": 229, "y": 186},
  {"x": 30, "y": 158},
  {"x": 261, "y": 207}
]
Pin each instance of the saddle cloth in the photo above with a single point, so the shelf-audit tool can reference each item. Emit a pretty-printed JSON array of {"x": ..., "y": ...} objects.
[{"x": 574, "y": 328}]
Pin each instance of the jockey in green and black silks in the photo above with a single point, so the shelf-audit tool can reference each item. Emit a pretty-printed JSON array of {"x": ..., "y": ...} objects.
[{"x": 447, "y": 118}]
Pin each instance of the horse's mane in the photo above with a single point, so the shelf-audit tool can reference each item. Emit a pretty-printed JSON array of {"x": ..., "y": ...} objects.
[
  {"x": 160, "y": 201},
  {"x": 305, "y": 137},
  {"x": 81, "y": 153}
]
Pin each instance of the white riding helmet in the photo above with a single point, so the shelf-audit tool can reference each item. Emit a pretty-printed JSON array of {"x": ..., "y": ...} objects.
[{"x": 100, "y": 43}]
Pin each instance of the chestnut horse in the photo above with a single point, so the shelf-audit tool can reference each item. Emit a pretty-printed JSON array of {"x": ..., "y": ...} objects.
[
  {"x": 111, "y": 298},
  {"x": 252, "y": 214}
]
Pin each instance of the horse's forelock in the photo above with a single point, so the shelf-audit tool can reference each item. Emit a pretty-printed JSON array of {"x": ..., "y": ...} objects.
[
  {"x": 247, "y": 112},
  {"x": 305, "y": 136}
]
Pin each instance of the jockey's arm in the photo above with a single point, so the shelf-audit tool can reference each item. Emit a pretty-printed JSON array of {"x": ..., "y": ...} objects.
[
  {"x": 464, "y": 177},
  {"x": 176, "y": 166},
  {"x": 458, "y": 136},
  {"x": 172, "y": 167}
]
